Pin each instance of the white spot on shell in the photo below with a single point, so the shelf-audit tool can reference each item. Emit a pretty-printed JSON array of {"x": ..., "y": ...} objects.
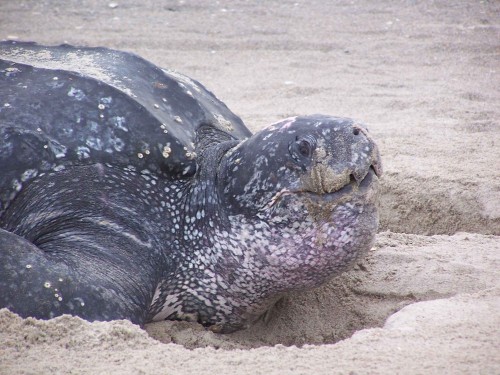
[
  {"x": 119, "y": 122},
  {"x": 101, "y": 106},
  {"x": 58, "y": 168},
  {"x": 106, "y": 100},
  {"x": 47, "y": 284},
  {"x": 94, "y": 142},
  {"x": 223, "y": 122},
  {"x": 28, "y": 174},
  {"x": 28, "y": 266},
  {"x": 58, "y": 150},
  {"x": 140, "y": 155},
  {"x": 11, "y": 70},
  {"x": 83, "y": 152},
  {"x": 166, "y": 151},
  {"x": 76, "y": 93},
  {"x": 117, "y": 143}
]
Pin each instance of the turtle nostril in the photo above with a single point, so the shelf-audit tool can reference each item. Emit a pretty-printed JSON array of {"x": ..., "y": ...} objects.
[
  {"x": 355, "y": 131},
  {"x": 352, "y": 178}
]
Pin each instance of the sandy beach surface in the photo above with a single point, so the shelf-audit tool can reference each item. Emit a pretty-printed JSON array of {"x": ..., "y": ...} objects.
[{"x": 425, "y": 77}]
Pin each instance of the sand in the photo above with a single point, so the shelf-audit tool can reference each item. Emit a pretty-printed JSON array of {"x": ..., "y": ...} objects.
[{"x": 424, "y": 76}]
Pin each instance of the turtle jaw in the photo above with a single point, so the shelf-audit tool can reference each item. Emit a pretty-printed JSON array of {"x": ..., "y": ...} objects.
[
  {"x": 327, "y": 231},
  {"x": 328, "y": 174},
  {"x": 366, "y": 188},
  {"x": 342, "y": 191}
]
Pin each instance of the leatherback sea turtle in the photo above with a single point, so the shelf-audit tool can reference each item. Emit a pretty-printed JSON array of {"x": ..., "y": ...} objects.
[{"x": 130, "y": 192}]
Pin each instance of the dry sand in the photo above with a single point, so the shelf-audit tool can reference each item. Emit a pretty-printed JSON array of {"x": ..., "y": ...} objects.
[{"x": 424, "y": 75}]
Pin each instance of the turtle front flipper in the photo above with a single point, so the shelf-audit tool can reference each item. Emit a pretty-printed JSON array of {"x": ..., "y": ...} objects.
[
  {"x": 71, "y": 246},
  {"x": 36, "y": 285}
]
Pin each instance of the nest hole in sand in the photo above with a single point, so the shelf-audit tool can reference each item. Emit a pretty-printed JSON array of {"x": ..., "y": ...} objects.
[{"x": 322, "y": 316}]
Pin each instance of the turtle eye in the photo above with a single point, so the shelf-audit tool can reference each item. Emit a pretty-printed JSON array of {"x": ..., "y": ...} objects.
[{"x": 302, "y": 149}]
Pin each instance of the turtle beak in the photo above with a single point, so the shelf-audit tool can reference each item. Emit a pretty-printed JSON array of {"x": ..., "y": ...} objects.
[
  {"x": 328, "y": 175},
  {"x": 376, "y": 162}
]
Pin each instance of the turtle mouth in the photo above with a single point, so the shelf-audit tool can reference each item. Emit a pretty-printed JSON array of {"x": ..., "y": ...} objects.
[
  {"x": 352, "y": 190},
  {"x": 353, "y": 186},
  {"x": 354, "y": 198}
]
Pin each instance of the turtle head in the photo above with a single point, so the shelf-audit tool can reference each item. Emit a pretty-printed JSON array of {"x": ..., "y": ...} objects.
[
  {"x": 302, "y": 194},
  {"x": 312, "y": 158},
  {"x": 285, "y": 209}
]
